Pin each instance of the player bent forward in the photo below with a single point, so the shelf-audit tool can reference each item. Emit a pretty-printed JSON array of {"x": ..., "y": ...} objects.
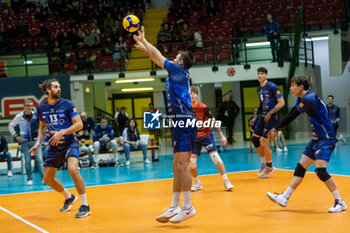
[{"x": 318, "y": 150}]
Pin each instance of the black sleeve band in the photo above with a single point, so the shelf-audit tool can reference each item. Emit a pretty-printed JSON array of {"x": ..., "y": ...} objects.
[
  {"x": 259, "y": 109},
  {"x": 291, "y": 115}
]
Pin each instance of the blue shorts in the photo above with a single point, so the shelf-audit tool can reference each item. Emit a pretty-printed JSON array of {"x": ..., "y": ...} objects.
[
  {"x": 208, "y": 142},
  {"x": 262, "y": 128},
  {"x": 320, "y": 149},
  {"x": 57, "y": 156},
  {"x": 183, "y": 137}
]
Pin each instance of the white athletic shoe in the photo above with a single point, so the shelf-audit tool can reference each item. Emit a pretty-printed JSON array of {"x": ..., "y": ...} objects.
[
  {"x": 228, "y": 185},
  {"x": 278, "y": 198},
  {"x": 183, "y": 215},
  {"x": 147, "y": 161},
  {"x": 339, "y": 205},
  {"x": 196, "y": 186},
  {"x": 169, "y": 213},
  {"x": 262, "y": 167},
  {"x": 30, "y": 182},
  {"x": 279, "y": 149},
  {"x": 9, "y": 173},
  {"x": 341, "y": 138},
  {"x": 268, "y": 171},
  {"x": 285, "y": 149},
  {"x": 127, "y": 163}
]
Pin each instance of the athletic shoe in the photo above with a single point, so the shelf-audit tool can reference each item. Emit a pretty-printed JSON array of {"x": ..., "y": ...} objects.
[
  {"x": 268, "y": 171},
  {"x": 169, "y": 213},
  {"x": 196, "y": 186},
  {"x": 68, "y": 203},
  {"x": 341, "y": 138},
  {"x": 9, "y": 173},
  {"x": 30, "y": 182},
  {"x": 94, "y": 166},
  {"x": 262, "y": 167},
  {"x": 285, "y": 149},
  {"x": 183, "y": 215},
  {"x": 147, "y": 161},
  {"x": 117, "y": 163},
  {"x": 228, "y": 185},
  {"x": 339, "y": 205},
  {"x": 278, "y": 198},
  {"x": 279, "y": 149},
  {"x": 84, "y": 211},
  {"x": 127, "y": 163}
]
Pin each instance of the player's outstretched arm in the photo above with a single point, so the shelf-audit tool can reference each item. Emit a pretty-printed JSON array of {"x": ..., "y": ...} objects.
[
  {"x": 41, "y": 133},
  {"x": 223, "y": 139},
  {"x": 278, "y": 106},
  {"x": 291, "y": 115},
  {"x": 149, "y": 49}
]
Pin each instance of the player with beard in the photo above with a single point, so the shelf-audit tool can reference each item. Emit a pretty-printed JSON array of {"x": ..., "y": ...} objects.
[{"x": 59, "y": 120}]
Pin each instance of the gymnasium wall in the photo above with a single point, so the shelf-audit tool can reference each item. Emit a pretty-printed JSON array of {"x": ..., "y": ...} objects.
[{"x": 338, "y": 86}]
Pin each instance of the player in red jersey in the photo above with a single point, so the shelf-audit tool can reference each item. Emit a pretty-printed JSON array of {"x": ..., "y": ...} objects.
[{"x": 205, "y": 138}]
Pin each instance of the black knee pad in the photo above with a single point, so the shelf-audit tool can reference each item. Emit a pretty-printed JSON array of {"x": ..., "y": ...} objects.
[
  {"x": 322, "y": 173},
  {"x": 299, "y": 171},
  {"x": 256, "y": 141}
]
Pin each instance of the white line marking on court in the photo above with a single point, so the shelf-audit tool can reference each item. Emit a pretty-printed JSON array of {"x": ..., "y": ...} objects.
[
  {"x": 141, "y": 181},
  {"x": 23, "y": 220}
]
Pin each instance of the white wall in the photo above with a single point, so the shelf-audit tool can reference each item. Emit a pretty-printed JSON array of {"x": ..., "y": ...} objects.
[{"x": 338, "y": 86}]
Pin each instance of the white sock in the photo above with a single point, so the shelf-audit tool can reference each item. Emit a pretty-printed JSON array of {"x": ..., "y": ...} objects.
[
  {"x": 263, "y": 160},
  {"x": 288, "y": 192},
  {"x": 116, "y": 157},
  {"x": 176, "y": 199},
  {"x": 224, "y": 176},
  {"x": 336, "y": 194},
  {"x": 187, "y": 200},
  {"x": 196, "y": 180},
  {"x": 83, "y": 199},
  {"x": 66, "y": 194}
]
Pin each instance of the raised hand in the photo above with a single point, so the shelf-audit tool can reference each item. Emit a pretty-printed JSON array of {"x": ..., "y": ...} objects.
[{"x": 140, "y": 39}]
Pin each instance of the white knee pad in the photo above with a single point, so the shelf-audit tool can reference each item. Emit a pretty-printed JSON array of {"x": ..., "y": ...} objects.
[
  {"x": 96, "y": 145},
  {"x": 113, "y": 144},
  {"x": 193, "y": 163},
  {"x": 216, "y": 158}
]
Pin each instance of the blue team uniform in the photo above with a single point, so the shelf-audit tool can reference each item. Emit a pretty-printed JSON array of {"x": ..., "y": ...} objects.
[
  {"x": 179, "y": 106},
  {"x": 56, "y": 118},
  {"x": 99, "y": 133},
  {"x": 334, "y": 115},
  {"x": 323, "y": 141},
  {"x": 268, "y": 96}
]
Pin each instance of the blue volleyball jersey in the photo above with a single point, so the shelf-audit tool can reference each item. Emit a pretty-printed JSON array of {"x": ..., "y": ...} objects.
[
  {"x": 333, "y": 112},
  {"x": 100, "y": 132},
  {"x": 58, "y": 117},
  {"x": 178, "y": 87},
  {"x": 317, "y": 114},
  {"x": 268, "y": 96}
]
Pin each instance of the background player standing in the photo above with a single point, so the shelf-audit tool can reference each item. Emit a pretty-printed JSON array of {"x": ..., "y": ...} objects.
[
  {"x": 179, "y": 108},
  {"x": 61, "y": 120},
  {"x": 271, "y": 101},
  {"x": 318, "y": 150},
  {"x": 334, "y": 116},
  {"x": 205, "y": 138}
]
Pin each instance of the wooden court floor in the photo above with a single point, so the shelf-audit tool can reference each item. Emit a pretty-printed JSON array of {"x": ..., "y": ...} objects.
[{"x": 132, "y": 207}]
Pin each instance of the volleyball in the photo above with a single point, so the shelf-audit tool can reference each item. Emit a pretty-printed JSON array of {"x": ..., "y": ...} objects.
[{"x": 131, "y": 23}]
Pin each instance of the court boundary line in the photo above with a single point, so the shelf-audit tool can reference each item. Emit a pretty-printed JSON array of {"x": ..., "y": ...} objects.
[
  {"x": 133, "y": 182},
  {"x": 23, "y": 220}
]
